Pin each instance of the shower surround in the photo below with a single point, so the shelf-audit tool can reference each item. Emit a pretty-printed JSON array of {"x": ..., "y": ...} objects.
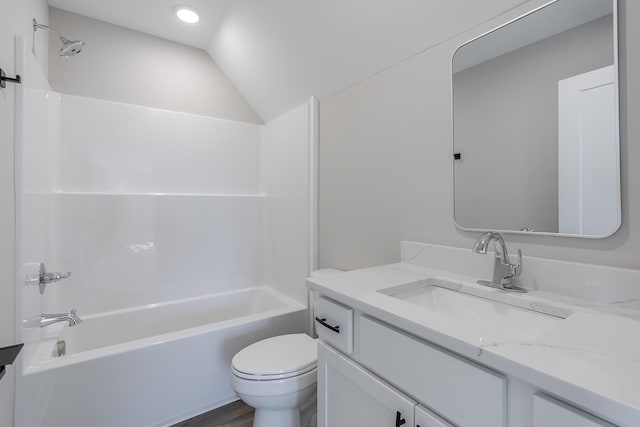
[{"x": 147, "y": 207}]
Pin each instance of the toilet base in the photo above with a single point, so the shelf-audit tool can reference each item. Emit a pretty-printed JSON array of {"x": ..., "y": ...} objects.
[
  {"x": 284, "y": 410},
  {"x": 280, "y": 418}
]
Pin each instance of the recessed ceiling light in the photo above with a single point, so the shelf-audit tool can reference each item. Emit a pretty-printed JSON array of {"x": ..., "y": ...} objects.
[{"x": 187, "y": 14}]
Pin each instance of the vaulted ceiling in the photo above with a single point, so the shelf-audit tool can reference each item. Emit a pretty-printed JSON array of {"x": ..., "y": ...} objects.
[{"x": 279, "y": 52}]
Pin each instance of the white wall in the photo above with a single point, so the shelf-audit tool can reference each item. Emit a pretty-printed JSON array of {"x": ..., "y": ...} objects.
[
  {"x": 142, "y": 205},
  {"x": 123, "y": 65},
  {"x": 15, "y": 19},
  {"x": 285, "y": 178},
  {"x": 127, "y": 250},
  {"x": 114, "y": 147},
  {"x": 145, "y": 205},
  {"x": 385, "y": 163}
]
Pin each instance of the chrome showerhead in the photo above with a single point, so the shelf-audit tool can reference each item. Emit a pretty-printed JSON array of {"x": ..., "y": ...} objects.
[{"x": 69, "y": 47}]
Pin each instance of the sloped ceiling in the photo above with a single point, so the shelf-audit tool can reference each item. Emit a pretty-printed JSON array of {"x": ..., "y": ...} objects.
[{"x": 279, "y": 52}]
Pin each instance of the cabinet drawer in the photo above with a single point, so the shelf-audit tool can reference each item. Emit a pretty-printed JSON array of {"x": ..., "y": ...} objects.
[
  {"x": 549, "y": 412},
  {"x": 334, "y": 324},
  {"x": 461, "y": 391}
]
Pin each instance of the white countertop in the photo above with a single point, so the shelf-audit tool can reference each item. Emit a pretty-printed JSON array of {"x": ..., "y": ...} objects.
[{"x": 592, "y": 357}]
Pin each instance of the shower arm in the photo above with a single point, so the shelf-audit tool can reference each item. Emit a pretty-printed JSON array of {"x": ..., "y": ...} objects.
[{"x": 36, "y": 25}]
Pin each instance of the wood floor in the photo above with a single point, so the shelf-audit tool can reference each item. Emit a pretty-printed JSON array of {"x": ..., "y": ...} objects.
[{"x": 235, "y": 414}]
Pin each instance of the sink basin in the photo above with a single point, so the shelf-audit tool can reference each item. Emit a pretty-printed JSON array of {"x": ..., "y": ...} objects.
[{"x": 490, "y": 320}]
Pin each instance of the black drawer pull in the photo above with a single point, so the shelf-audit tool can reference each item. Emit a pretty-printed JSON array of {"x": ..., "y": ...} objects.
[
  {"x": 324, "y": 323},
  {"x": 399, "y": 419}
]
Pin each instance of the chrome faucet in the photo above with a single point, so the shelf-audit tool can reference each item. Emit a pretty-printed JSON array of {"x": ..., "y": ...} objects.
[
  {"x": 514, "y": 270},
  {"x": 50, "y": 319}
]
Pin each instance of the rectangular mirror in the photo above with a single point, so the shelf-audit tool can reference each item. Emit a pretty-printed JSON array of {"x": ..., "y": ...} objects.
[{"x": 535, "y": 124}]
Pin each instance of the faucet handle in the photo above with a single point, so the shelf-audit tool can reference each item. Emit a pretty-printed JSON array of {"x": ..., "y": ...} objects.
[
  {"x": 516, "y": 269},
  {"x": 44, "y": 278}
]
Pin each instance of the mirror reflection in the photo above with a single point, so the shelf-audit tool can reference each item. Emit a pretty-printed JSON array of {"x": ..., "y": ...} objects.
[{"x": 535, "y": 124}]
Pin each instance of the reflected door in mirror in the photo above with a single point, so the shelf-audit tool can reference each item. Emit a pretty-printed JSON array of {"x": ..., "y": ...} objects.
[{"x": 587, "y": 148}]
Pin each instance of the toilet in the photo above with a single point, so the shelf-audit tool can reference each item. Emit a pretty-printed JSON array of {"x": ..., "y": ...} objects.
[{"x": 277, "y": 376}]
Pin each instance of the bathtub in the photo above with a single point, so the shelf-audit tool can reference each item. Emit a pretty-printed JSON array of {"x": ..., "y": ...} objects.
[{"x": 148, "y": 366}]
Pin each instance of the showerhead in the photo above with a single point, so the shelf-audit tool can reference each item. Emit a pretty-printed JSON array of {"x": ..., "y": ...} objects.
[{"x": 69, "y": 47}]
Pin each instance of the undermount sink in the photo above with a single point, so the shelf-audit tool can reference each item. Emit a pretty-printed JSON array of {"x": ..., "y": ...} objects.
[{"x": 491, "y": 320}]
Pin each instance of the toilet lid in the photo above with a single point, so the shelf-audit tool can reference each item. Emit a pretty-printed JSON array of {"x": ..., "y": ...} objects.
[{"x": 278, "y": 357}]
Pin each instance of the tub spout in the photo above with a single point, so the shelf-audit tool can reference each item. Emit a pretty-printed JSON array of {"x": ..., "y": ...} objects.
[{"x": 50, "y": 319}]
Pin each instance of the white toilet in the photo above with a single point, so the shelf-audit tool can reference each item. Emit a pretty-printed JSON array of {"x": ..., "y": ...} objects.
[{"x": 277, "y": 377}]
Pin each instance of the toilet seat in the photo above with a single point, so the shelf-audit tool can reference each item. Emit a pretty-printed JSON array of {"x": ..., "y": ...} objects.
[
  {"x": 276, "y": 358},
  {"x": 275, "y": 387}
]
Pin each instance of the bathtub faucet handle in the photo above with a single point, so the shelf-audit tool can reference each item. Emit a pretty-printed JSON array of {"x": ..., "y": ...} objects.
[
  {"x": 46, "y": 278},
  {"x": 43, "y": 278}
]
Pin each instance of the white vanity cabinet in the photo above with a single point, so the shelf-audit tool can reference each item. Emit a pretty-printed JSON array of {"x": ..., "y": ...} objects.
[
  {"x": 371, "y": 373},
  {"x": 350, "y": 396}
]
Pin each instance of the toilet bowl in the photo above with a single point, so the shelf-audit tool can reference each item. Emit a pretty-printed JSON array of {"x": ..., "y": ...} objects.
[{"x": 277, "y": 377}]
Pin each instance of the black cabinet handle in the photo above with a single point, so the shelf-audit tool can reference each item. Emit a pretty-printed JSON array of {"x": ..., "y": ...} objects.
[
  {"x": 324, "y": 323},
  {"x": 399, "y": 419}
]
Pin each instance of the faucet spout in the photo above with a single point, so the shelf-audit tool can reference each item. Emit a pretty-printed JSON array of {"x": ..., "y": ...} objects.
[
  {"x": 50, "y": 319},
  {"x": 482, "y": 244},
  {"x": 506, "y": 281}
]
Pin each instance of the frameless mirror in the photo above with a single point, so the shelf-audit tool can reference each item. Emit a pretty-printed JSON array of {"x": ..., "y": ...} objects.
[{"x": 535, "y": 123}]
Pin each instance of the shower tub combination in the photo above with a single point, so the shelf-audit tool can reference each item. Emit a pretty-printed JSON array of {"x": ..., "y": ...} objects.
[
  {"x": 108, "y": 194},
  {"x": 153, "y": 365}
]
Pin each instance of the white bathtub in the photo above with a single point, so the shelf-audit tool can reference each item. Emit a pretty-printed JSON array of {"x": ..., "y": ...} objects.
[{"x": 149, "y": 366}]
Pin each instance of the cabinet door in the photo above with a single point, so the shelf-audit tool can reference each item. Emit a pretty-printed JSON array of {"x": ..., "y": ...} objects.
[
  {"x": 548, "y": 412},
  {"x": 426, "y": 418},
  {"x": 349, "y": 396}
]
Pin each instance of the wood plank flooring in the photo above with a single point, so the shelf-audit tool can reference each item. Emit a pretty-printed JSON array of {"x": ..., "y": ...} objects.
[{"x": 235, "y": 414}]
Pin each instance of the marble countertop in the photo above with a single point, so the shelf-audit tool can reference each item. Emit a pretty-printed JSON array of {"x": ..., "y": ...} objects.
[{"x": 591, "y": 358}]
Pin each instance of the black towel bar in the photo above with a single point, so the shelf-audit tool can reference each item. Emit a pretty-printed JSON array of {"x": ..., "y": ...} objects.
[{"x": 4, "y": 79}]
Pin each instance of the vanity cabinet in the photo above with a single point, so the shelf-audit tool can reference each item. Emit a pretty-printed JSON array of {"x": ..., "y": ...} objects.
[
  {"x": 350, "y": 396},
  {"x": 353, "y": 393},
  {"x": 371, "y": 373}
]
